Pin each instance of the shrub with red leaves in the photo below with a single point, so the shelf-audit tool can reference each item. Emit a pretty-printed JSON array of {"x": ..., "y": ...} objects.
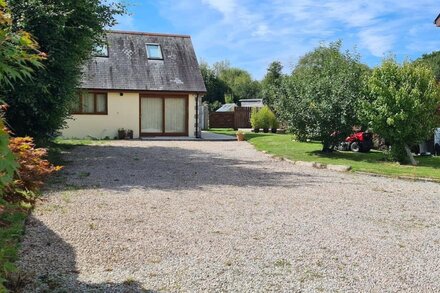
[{"x": 33, "y": 167}]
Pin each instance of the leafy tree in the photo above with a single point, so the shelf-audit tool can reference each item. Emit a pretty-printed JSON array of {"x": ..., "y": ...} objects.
[
  {"x": 220, "y": 66},
  {"x": 432, "y": 60},
  {"x": 240, "y": 83},
  {"x": 227, "y": 84},
  {"x": 320, "y": 99},
  {"x": 402, "y": 106},
  {"x": 18, "y": 58},
  {"x": 215, "y": 87},
  {"x": 67, "y": 30},
  {"x": 271, "y": 84}
]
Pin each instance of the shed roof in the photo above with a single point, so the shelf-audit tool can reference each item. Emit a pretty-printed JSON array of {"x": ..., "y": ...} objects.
[
  {"x": 127, "y": 66},
  {"x": 227, "y": 108}
]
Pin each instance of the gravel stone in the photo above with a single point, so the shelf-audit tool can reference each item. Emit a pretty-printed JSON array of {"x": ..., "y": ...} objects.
[
  {"x": 184, "y": 216},
  {"x": 339, "y": 168}
]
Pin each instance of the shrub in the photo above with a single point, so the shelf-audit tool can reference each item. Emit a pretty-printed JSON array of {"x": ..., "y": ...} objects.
[
  {"x": 263, "y": 118},
  {"x": 8, "y": 164},
  {"x": 255, "y": 119},
  {"x": 266, "y": 117},
  {"x": 274, "y": 124},
  {"x": 33, "y": 169}
]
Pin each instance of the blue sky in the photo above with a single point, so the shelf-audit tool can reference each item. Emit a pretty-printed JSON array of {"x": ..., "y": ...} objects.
[{"x": 251, "y": 33}]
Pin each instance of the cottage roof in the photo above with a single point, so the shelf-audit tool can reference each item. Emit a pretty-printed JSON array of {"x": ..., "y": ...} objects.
[
  {"x": 437, "y": 21},
  {"x": 128, "y": 67}
]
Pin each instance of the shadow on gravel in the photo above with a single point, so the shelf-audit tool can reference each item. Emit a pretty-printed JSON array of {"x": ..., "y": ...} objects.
[
  {"x": 168, "y": 168},
  {"x": 47, "y": 264}
]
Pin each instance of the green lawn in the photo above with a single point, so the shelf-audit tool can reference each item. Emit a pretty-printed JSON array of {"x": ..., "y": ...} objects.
[{"x": 374, "y": 162}]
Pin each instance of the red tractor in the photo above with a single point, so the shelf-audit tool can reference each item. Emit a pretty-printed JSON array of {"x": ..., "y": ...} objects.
[{"x": 358, "y": 142}]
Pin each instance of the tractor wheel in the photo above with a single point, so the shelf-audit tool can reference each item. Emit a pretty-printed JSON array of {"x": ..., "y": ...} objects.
[{"x": 355, "y": 147}]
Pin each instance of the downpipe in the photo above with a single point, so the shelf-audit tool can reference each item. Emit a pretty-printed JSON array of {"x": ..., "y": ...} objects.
[{"x": 198, "y": 132}]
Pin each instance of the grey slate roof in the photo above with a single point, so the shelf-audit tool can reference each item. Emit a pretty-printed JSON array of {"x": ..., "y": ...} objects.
[{"x": 128, "y": 67}]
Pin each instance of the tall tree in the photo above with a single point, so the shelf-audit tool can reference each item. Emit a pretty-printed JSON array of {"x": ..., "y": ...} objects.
[
  {"x": 402, "y": 105},
  {"x": 67, "y": 30},
  {"x": 321, "y": 99},
  {"x": 215, "y": 87},
  {"x": 240, "y": 83},
  {"x": 271, "y": 84}
]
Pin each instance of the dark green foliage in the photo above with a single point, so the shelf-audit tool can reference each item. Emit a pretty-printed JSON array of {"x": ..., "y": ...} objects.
[
  {"x": 240, "y": 84},
  {"x": 215, "y": 87},
  {"x": 271, "y": 84},
  {"x": 227, "y": 84},
  {"x": 67, "y": 32},
  {"x": 323, "y": 94}
]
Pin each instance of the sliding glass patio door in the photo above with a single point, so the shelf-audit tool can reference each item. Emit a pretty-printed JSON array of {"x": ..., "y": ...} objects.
[
  {"x": 164, "y": 116},
  {"x": 152, "y": 115}
]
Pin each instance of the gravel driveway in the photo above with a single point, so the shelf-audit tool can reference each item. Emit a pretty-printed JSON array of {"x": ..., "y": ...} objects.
[{"x": 219, "y": 216}]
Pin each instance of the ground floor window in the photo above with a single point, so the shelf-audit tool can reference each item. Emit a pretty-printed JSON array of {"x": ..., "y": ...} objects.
[
  {"x": 91, "y": 103},
  {"x": 164, "y": 115}
]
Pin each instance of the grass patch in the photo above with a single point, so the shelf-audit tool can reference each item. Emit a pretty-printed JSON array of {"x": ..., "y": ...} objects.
[
  {"x": 373, "y": 162},
  {"x": 12, "y": 218}
]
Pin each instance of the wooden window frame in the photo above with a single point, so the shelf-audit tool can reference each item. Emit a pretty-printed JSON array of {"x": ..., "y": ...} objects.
[
  {"x": 95, "y": 103},
  {"x": 164, "y": 97}
]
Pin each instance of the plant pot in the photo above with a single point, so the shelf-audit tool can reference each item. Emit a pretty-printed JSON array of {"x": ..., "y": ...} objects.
[
  {"x": 273, "y": 130},
  {"x": 130, "y": 134},
  {"x": 240, "y": 136},
  {"x": 256, "y": 130},
  {"x": 121, "y": 134},
  {"x": 265, "y": 130}
]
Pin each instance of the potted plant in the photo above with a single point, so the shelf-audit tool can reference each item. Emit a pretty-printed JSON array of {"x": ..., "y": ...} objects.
[
  {"x": 255, "y": 120},
  {"x": 264, "y": 116},
  {"x": 240, "y": 135},
  {"x": 274, "y": 124},
  {"x": 130, "y": 134},
  {"x": 121, "y": 133}
]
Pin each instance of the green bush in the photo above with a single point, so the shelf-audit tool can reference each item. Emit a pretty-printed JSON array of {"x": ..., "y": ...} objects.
[
  {"x": 255, "y": 119},
  {"x": 263, "y": 118},
  {"x": 274, "y": 124}
]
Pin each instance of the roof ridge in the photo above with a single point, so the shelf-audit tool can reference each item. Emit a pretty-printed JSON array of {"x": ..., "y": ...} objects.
[{"x": 148, "y": 34}]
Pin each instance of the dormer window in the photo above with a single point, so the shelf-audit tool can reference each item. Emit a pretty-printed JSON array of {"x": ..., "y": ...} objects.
[
  {"x": 100, "y": 50},
  {"x": 154, "y": 52}
]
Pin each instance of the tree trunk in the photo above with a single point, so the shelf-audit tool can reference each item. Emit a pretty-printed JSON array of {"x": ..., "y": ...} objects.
[
  {"x": 410, "y": 155},
  {"x": 326, "y": 147}
]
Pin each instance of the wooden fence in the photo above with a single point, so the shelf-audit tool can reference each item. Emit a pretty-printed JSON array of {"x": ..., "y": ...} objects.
[{"x": 240, "y": 118}]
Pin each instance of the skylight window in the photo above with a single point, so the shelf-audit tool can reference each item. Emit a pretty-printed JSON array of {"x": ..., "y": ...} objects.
[
  {"x": 101, "y": 50},
  {"x": 154, "y": 51}
]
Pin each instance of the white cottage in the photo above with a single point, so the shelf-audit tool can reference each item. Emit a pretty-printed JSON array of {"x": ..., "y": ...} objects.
[{"x": 149, "y": 83}]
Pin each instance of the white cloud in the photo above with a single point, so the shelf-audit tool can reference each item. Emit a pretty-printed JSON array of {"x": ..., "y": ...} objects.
[
  {"x": 125, "y": 22},
  {"x": 376, "y": 41},
  {"x": 251, "y": 33}
]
